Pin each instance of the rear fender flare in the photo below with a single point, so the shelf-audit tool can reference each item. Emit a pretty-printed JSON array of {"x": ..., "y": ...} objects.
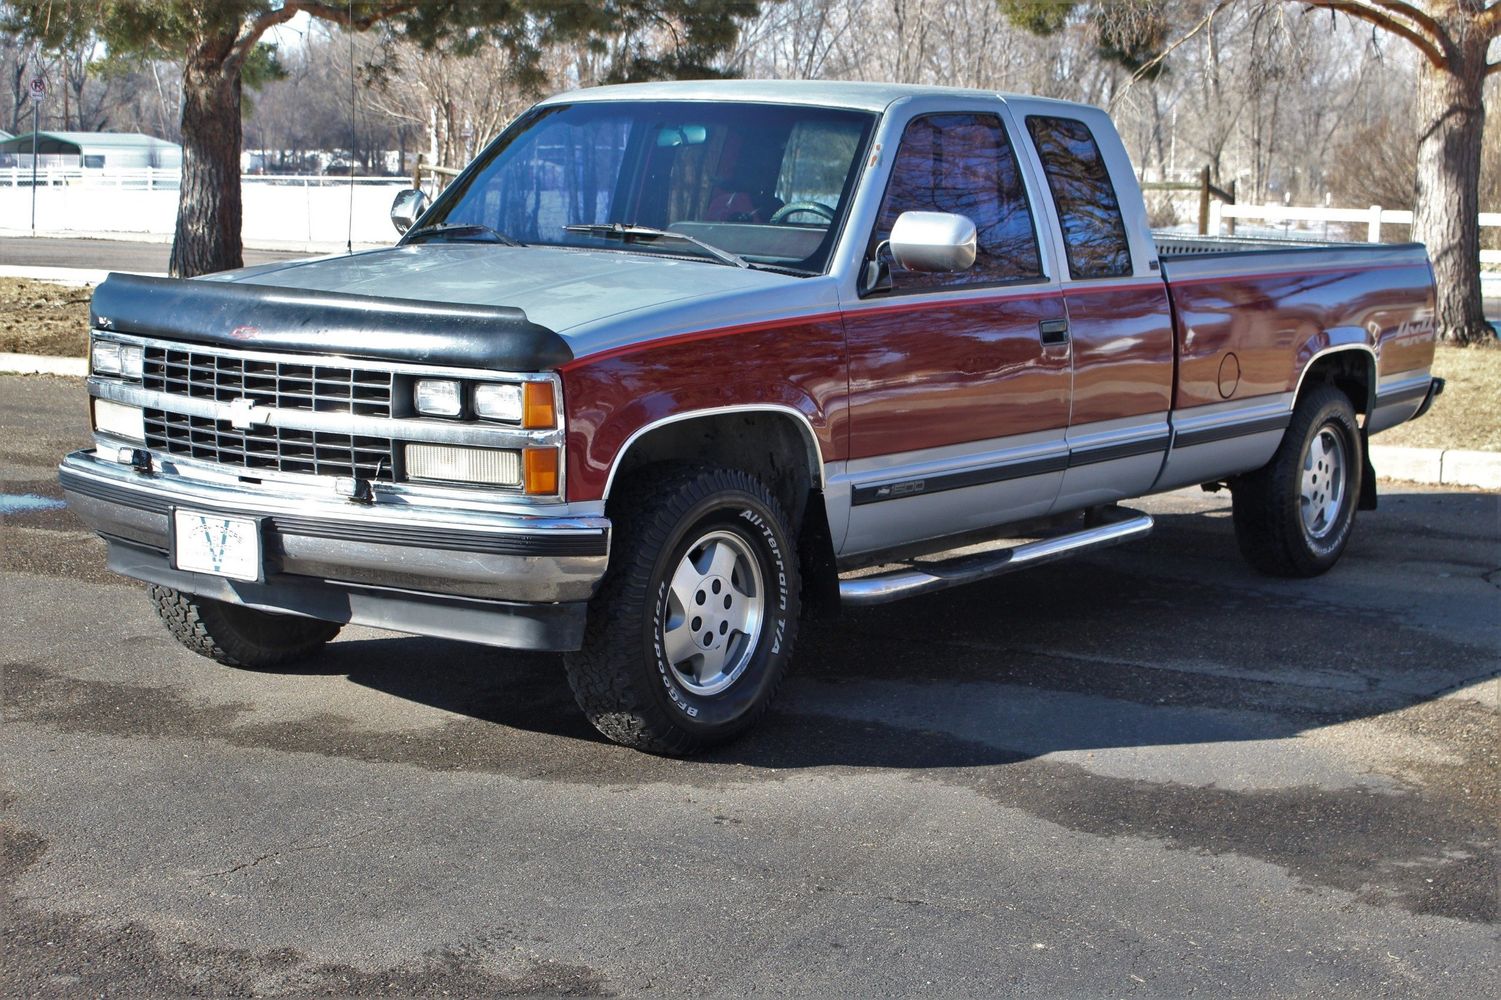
[{"x": 1339, "y": 340}]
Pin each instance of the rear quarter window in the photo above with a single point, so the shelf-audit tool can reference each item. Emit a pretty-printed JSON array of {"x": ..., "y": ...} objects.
[{"x": 1094, "y": 235}]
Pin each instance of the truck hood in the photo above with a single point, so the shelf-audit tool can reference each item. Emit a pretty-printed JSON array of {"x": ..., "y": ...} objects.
[{"x": 562, "y": 290}]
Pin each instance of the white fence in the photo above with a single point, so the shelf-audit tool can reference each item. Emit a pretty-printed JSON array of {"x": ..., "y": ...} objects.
[
  {"x": 146, "y": 178},
  {"x": 294, "y": 211},
  {"x": 1315, "y": 222}
]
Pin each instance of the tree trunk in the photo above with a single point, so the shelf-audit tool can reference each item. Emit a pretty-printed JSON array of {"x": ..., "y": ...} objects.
[
  {"x": 209, "y": 210},
  {"x": 1451, "y": 120}
]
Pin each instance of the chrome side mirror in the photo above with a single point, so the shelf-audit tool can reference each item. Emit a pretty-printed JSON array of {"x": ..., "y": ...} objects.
[
  {"x": 408, "y": 207},
  {"x": 933, "y": 241}
]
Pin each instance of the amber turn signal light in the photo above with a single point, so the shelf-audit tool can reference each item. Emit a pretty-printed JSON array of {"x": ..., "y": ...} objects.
[
  {"x": 538, "y": 411},
  {"x": 541, "y": 467}
]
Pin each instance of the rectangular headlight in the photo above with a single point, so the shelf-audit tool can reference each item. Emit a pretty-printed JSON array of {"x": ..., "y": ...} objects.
[
  {"x": 454, "y": 464},
  {"x": 105, "y": 358},
  {"x": 499, "y": 401},
  {"x": 110, "y": 358},
  {"x": 130, "y": 360},
  {"x": 121, "y": 421},
  {"x": 438, "y": 397}
]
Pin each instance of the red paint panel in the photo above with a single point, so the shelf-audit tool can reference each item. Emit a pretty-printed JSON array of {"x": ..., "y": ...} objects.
[
  {"x": 793, "y": 363},
  {"x": 942, "y": 373},
  {"x": 1123, "y": 350},
  {"x": 1275, "y": 323}
]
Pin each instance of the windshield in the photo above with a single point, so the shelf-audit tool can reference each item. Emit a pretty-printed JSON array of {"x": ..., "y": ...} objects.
[{"x": 767, "y": 183}]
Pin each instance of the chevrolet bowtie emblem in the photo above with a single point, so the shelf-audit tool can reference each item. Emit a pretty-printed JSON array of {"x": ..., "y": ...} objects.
[{"x": 243, "y": 414}]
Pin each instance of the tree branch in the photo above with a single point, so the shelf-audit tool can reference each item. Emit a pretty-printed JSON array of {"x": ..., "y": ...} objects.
[
  {"x": 1156, "y": 60},
  {"x": 251, "y": 35},
  {"x": 1419, "y": 17},
  {"x": 338, "y": 14},
  {"x": 1490, "y": 20},
  {"x": 1432, "y": 48}
]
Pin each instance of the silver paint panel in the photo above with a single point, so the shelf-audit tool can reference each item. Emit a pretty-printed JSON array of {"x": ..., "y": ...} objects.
[
  {"x": 1214, "y": 460},
  {"x": 1388, "y": 414},
  {"x": 1085, "y": 485},
  {"x": 889, "y": 523}
]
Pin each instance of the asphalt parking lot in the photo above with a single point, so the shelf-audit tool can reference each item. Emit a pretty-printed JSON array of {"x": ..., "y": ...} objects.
[{"x": 1146, "y": 773}]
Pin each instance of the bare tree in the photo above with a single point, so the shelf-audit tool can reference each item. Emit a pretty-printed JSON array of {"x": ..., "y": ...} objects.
[{"x": 1453, "y": 37}]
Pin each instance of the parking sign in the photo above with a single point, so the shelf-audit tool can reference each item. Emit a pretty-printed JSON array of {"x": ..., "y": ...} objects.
[{"x": 37, "y": 87}]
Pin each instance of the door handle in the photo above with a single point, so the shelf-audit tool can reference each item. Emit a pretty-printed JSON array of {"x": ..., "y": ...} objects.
[{"x": 1053, "y": 331}]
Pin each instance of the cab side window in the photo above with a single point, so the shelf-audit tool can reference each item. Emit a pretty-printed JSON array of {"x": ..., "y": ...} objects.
[
  {"x": 1094, "y": 235},
  {"x": 964, "y": 164}
]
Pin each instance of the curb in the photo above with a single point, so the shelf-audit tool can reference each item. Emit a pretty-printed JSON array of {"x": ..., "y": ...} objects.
[
  {"x": 80, "y": 276},
  {"x": 114, "y": 236},
  {"x": 1438, "y": 466},
  {"x": 41, "y": 364}
]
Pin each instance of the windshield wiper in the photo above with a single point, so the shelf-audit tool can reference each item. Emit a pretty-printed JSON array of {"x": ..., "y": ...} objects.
[
  {"x": 628, "y": 233},
  {"x": 463, "y": 231}
]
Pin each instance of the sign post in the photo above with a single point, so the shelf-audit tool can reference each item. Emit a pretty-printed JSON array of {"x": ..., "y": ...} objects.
[{"x": 37, "y": 87}]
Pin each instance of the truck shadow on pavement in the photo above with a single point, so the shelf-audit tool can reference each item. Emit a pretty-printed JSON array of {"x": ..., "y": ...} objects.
[
  {"x": 1089, "y": 655},
  {"x": 1068, "y": 694}
]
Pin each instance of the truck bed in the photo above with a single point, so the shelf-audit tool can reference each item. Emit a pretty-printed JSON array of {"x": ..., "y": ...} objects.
[{"x": 1250, "y": 315}]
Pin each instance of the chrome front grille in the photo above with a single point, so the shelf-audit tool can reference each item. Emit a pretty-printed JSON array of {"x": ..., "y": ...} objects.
[
  {"x": 280, "y": 449},
  {"x": 271, "y": 383},
  {"x": 268, "y": 382}
]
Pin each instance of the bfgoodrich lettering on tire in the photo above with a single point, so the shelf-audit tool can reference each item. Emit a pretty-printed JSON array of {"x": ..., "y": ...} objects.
[
  {"x": 692, "y": 628},
  {"x": 1293, "y": 516}
]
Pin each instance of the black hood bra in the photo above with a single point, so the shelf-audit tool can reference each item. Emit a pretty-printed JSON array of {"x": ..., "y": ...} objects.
[{"x": 266, "y": 317}]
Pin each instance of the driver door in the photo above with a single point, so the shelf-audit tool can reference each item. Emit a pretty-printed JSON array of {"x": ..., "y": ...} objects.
[{"x": 959, "y": 382}]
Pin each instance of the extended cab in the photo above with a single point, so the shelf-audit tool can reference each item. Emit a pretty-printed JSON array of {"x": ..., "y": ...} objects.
[{"x": 669, "y": 367}]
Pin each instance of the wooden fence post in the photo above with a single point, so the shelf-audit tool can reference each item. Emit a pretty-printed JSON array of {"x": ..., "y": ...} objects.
[{"x": 1204, "y": 201}]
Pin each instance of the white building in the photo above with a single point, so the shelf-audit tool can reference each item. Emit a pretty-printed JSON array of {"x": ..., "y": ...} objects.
[{"x": 91, "y": 151}]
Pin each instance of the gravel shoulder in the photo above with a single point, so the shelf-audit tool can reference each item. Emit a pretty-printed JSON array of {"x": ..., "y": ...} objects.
[{"x": 40, "y": 317}]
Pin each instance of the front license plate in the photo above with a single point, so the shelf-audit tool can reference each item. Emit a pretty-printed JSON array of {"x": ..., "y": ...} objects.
[{"x": 223, "y": 546}]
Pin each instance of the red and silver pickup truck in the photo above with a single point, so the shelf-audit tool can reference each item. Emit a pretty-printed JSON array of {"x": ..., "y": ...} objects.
[{"x": 670, "y": 367}]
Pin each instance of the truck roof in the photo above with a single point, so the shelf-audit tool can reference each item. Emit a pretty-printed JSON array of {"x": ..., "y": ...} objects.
[{"x": 823, "y": 93}]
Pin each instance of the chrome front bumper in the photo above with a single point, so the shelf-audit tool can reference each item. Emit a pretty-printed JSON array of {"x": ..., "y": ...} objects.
[{"x": 405, "y": 562}]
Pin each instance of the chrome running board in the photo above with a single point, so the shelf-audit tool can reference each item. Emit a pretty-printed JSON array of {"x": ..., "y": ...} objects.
[{"x": 1123, "y": 525}]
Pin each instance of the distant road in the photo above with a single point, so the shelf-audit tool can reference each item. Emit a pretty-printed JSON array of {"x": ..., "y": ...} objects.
[{"x": 124, "y": 255}]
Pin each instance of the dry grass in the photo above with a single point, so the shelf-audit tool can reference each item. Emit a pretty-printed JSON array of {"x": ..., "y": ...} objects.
[
  {"x": 1468, "y": 414},
  {"x": 37, "y": 317}
]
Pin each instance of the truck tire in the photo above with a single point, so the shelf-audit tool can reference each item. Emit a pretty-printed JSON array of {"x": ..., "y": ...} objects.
[
  {"x": 237, "y": 636},
  {"x": 691, "y": 631},
  {"x": 1293, "y": 516}
]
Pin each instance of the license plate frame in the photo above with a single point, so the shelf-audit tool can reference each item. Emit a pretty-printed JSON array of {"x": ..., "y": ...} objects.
[{"x": 215, "y": 544}]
